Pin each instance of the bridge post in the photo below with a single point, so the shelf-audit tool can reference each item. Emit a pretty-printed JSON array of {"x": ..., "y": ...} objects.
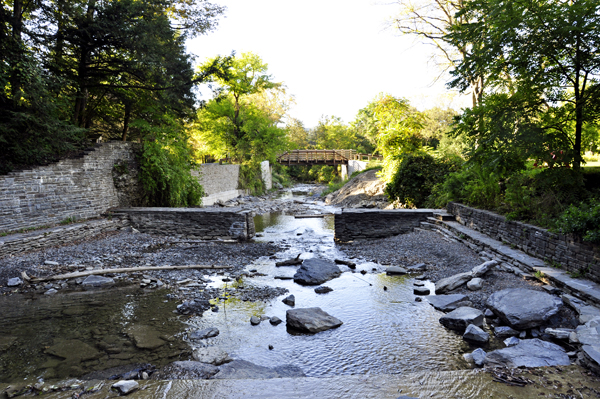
[{"x": 344, "y": 171}]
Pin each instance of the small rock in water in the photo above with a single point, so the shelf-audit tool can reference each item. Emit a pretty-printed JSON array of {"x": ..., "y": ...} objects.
[
  {"x": 212, "y": 355},
  {"x": 363, "y": 272},
  {"x": 512, "y": 341},
  {"x": 384, "y": 288},
  {"x": 255, "y": 320},
  {"x": 418, "y": 284},
  {"x": 271, "y": 347},
  {"x": 421, "y": 291},
  {"x": 323, "y": 289},
  {"x": 275, "y": 320},
  {"x": 206, "y": 333},
  {"x": 418, "y": 299},
  {"x": 460, "y": 318},
  {"x": 311, "y": 320},
  {"x": 479, "y": 356},
  {"x": 476, "y": 334},
  {"x": 290, "y": 300},
  {"x": 126, "y": 387},
  {"x": 14, "y": 282}
]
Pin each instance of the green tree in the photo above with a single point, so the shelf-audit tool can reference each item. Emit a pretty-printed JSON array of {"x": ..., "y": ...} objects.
[{"x": 549, "y": 49}]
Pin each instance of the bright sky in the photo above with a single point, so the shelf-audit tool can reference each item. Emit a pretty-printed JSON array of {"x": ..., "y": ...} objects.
[{"x": 333, "y": 55}]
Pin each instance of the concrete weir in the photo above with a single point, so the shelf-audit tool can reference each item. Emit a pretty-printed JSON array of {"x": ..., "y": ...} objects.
[
  {"x": 360, "y": 224},
  {"x": 201, "y": 223}
]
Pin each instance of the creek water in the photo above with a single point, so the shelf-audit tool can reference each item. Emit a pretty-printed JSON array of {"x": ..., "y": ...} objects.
[{"x": 388, "y": 346}]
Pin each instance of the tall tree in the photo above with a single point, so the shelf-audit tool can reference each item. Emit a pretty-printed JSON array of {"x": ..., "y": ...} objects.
[{"x": 550, "y": 49}]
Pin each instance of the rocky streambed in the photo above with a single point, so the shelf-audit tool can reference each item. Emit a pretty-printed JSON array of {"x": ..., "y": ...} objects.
[{"x": 320, "y": 328}]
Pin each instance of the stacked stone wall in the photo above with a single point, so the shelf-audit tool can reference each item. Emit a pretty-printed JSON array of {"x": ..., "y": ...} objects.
[
  {"x": 216, "y": 178},
  {"x": 568, "y": 252},
  {"x": 360, "y": 224},
  {"x": 79, "y": 188},
  {"x": 200, "y": 223}
]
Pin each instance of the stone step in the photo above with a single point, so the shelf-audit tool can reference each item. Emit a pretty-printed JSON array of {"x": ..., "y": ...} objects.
[
  {"x": 444, "y": 216},
  {"x": 582, "y": 288}
]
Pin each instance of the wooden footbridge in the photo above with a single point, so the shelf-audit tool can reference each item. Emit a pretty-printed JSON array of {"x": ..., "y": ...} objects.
[{"x": 323, "y": 157}]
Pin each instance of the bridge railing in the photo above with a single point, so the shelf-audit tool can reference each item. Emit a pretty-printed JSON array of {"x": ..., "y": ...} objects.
[{"x": 323, "y": 157}]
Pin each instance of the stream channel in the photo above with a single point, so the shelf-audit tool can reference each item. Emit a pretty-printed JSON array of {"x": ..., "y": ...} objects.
[{"x": 388, "y": 346}]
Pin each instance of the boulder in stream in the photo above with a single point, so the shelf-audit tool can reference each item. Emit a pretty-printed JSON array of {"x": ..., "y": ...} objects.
[
  {"x": 289, "y": 300},
  {"x": 211, "y": 355},
  {"x": 447, "y": 303},
  {"x": 522, "y": 308},
  {"x": 126, "y": 386},
  {"x": 312, "y": 320},
  {"x": 529, "y": 353},
  {"x": 316, "y": 272},
  {"x": 206, "y": 333},
  {"x": 242, "y": 369},
  {"x": 459, "y": 319}
]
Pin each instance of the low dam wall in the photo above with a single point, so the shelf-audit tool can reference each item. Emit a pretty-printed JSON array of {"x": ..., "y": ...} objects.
[
  {"x": 200, "y": 223},
  {"x": 569, "y": 252},
  {"x": 360, "y": 224}
]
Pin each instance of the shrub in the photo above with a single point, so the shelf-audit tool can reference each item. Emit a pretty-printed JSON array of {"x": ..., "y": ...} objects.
[
  {"x": 540, "y": 196},
  {"x": 412, "y": 183},
  {"x": 582, "y": 220}
]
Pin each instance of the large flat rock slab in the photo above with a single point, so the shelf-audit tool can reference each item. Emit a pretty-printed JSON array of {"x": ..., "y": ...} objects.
[
  {"x": 312, "y": 320},
  {"x": 186, "y": 370},
  {"x": 242, "y": 369},
  {"x": 522, "y": 309},
  {"x": 316, "y": 272},
  {"x": 528, "y": 353}
]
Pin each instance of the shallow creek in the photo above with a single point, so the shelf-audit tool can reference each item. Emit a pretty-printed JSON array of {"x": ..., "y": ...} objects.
[{"x": 388, "y": 346}]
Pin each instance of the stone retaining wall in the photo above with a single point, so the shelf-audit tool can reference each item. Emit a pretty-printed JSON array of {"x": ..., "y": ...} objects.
[
  {"x": 216, "y": 178},
  {"x": 569, "y": 252},
  {"x": 79, "y": 188},
  {"x": 15, "y": 244},
  {"x": 200, "y": 223},
  {"x": 357, "y": 224}
]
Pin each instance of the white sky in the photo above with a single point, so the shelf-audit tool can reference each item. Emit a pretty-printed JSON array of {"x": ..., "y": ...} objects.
[{"x": 333, "y": 55}]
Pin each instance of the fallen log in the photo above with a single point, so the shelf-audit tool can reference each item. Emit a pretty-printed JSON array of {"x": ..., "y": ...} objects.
[
  {"x": 290, "y": 262},
  {"x": 120, "y": 270},
  {"x": 351, "y": 265},
  {"x": 319, "y": 215}
]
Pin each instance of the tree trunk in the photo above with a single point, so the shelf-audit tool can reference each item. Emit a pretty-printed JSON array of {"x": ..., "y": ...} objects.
[
  {"x": 126, "y": 120},
  {"x": 17, "y": 30}
]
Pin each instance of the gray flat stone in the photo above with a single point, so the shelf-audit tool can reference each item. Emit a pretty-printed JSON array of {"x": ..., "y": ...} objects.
[
  {"x": 126, "y": 386},
  {"x": 242, "y": 369},
  {"x": 512, "y": 341},
  {"x": 529, "y": 353},
  {"x": 589, "y": 333},
  {"x": 420, "y": 267},
  {"x": 447, "y": 303},
  {"x": 476, "y": 335},
  {"x": 289, "y": 300},
  {"x": 97, "y": 281},
  {"x": 559, "y": 333},
  {"x": 396, "y": 271},
  {"x": 459, "y": 319},
  {"x": 316, "y": 272},
  {"x": 589, "y": 357},
  {"x": 522, "y": 308},
  {"x": 421, "y": 291},
  {"x": 275, "y": 321},
  {"x": 14, "y": 282},
  {"x": 145, "y": 337},
  {"x": 451, "y": 283},
  {"x": 504, "y": 331},
  {"x": 479, "y": 271},
  {"x": 475, "y": 284},
  {"x": 312, "y": 320},
  {"x": 211, "y": 355},
  {"x": 186, "y": 370},
  {"x": 255, "y": 320}
]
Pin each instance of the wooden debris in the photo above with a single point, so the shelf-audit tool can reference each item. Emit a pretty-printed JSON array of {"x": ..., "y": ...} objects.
[
  {"x": 121, "y": 270},
  {"x": 320, "y": 215},
  {"x": 505, "y": 377},
  {"x": 351, "y": 265},
  {"x": 290, "y": 262}
]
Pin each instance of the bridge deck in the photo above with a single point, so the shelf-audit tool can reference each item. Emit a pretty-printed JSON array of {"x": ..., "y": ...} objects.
[{"x": 322, "y": 157}]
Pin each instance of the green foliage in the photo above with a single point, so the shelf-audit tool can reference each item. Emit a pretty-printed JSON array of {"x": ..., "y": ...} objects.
[
  {"x": 473, "y": 185},
  {"x": 583, "y": 220},
  {"x": 540, "y": 195},
  {"x": 165, "y": 167},
  {"x": 323, "y": 173},
  {"x": 251, "y": 178},
  {"x": 333, "y": 186},
  {"x": 68, "y": 220},
  {"x": 412, "y": 183},
  {"x": 545, "y": 52}
]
